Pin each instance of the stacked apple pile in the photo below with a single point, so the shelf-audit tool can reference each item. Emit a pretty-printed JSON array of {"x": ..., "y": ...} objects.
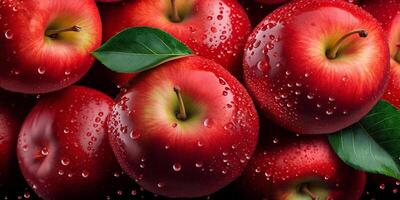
[{"x": 302, "y": 107}]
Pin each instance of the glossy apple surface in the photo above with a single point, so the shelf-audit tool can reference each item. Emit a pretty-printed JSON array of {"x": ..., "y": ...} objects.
[
  {"x": 37, "y": 60},
  {"x": 184, "y": 157},
  {"x": 63, "y": 148},
  {"x": 388, "y": 14},
  {"x": 293, "y": 80},
  {"x": 284, "y": 165}
]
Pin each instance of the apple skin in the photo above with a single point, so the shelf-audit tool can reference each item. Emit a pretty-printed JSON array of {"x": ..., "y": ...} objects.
[
  {"x": 33, "y": 62},
  {"x": 387, "y": 13},
  {"x": 63, "y": 148},
  {"x": 293, "y": 81},
  {"x": 165, "y": 154},
  {"x": 284, "y": 161},
  {"x": 215, "y": 29}
]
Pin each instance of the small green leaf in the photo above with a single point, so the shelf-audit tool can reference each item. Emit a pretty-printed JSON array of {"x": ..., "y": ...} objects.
[
  {"x": 373, "y": 144},
  {"x": 139, "y": 49}
]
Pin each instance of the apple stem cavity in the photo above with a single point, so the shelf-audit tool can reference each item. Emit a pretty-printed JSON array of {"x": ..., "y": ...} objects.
[
  {"x": 52, "y": 33},
  {"x": 175, "y": 15},
  {"x": 304, "y": 188},
  {"x": 332, "y": 53},
  {"x": 181, "y": 115}
]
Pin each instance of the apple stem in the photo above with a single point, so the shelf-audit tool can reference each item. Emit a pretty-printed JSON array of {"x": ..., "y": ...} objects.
[
  {"x": 175, "y": 15},
  {"x": 306, "y": 190},
  {"x": 53, "y": 32},
  {"x": 332, "y": 53},
  {"x": 181, "y": 115}
]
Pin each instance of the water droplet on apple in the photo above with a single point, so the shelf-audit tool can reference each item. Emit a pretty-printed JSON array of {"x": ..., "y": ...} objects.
[
  {"x": 177, "y": 167},
  {"x": 85, "y": 174},
  {"x": 44, "y": 151},
  {"x": 329, "y": 112},
  {"x": 261, "y": 67},
  {"x": 134, "y": 135},
  {"x": 270, "y": 46},
  {"x": 199, "y": 164},
  {"x": 225, "y": 93},
  {"x": 41, "y": 70},
  {"x": 8, "y": 34},
  {"x": 199, "y": 144},
  {"x": 60, "y": 172},
  {"x": 275, "y": 140},
  {"x": 257, "y": 170},
  {"x": 331, "y": 99},
  {"x": 66, "y": 130},
  {"x": 27, "y": 195},
  {"x": 174, "y": 125},
  {"x": 310, "y": 96},
  {"x": 208, "y": 123},
  {"x": 382, "y": 186},
  {"x": 160, "y": 185},
  {"x": 65, "y": 161},
  {"x": 222, "y": 81}
]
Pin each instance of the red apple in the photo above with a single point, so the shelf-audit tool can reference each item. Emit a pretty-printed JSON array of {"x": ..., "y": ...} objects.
[
  {"x": 63, "y": 148},
  {"x": 310, "y": 68},
  {"x": 388, "y": 14},
  {"x": 289, "y": 167},
  {"x": 184, "y": 129},
  {"x": 215, "y": 29},
  {"x": 46, "y": 45}
]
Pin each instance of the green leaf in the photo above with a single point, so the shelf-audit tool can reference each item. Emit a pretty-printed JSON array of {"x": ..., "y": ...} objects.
[
  {"x": 373, "y": 144},
  {"x": 139, "y": 49}
]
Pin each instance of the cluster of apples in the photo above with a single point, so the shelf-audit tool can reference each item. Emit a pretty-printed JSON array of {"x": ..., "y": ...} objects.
[{"x": 188, "y": 128}]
